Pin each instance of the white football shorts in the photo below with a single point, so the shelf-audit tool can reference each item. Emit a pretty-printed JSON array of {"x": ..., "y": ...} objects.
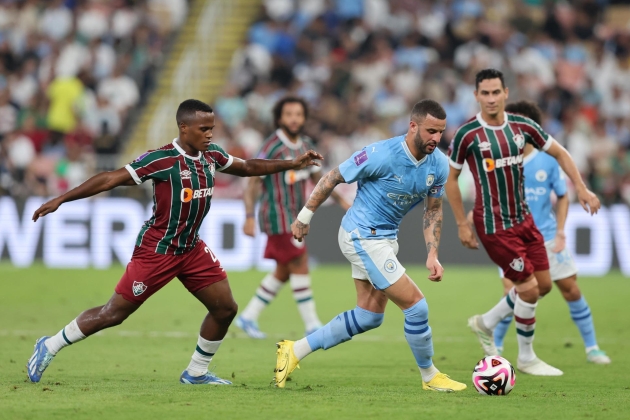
[
  {"x": 371, "y": 259},
  {"x": 561, "y": 264}
]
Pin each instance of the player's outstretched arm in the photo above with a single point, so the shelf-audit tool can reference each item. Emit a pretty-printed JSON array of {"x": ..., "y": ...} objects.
[
  {"x": 258, "y": 167},
  {"x": 587, "y": 198},
  {"x": 250, "y": 197},
  {"x": 432, "y": 232},
  {"x": 104, "y": 181},
  {"x": 466, "y": 234},
  {"x": 322, "y": 191}
]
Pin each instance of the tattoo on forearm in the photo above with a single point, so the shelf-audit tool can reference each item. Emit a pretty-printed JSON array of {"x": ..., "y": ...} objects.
[
  {"x": 324, "y": 188},
  {"x": 433, "y": 223}
]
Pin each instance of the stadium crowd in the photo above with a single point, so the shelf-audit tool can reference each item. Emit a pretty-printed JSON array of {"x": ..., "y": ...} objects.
[
  {"x": 71, "y": 74},
  {"x": 66, "y": 89}
]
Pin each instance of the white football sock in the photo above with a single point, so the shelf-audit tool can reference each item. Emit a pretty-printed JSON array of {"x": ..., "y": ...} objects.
[
  {"x": 502, "y": 309},
  {"x": 524, "y": 316},
  {"x": 301, "y": 348},
  {"x": 428, "y": 373},
  {"x": 303, "y": 295},
  {"x": 202, "y": 356},
  {"x": 70, "y": 334},
  {"x": 266, "y": 292}
]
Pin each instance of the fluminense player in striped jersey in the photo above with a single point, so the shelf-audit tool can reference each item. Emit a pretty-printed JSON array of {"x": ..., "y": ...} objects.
[
  {"x": 168, "y": 245},
  {"x": 283, "y": 195},
  {"x": 492, "y": 143}
]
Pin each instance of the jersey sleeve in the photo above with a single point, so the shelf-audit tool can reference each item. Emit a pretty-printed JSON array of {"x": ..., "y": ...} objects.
[
  {"x": 362, "y": 164},
  {"x": 458, "y": 150},
  {"x": 150, "y": 165},
  {"x": 437, "y": 189},
  {"x": 534, "y": 134},
  {"x": 221, "y": 158},
  {"x": 558, "y": 180}
]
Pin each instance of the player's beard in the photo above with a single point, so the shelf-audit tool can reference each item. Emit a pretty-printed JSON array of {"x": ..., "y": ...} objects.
[
  {"x": 423, "y": 146},
  {"x": 292, "y": 133}
]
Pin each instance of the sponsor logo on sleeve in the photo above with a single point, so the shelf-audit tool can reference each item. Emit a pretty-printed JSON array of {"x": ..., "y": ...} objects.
[
  {"x": 361, "y": 158},
  {"x": 142, "y": 156}
]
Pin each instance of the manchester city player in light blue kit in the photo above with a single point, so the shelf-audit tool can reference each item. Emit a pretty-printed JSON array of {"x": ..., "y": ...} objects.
[
  {"x": 394, "y": 176},
  {"x": 542, "y": 176}
]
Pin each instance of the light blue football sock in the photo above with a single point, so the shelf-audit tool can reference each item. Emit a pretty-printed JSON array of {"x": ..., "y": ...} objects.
[
  {"x": 581, "y": 315},
  {"x": 343, "y": 327},
  {"x": 500, "y": 330},
  {"x": 418, "y": 333}
]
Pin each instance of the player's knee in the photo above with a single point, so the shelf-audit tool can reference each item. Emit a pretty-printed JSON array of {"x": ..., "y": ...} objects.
[
  {"x": 543, "y": 289},
  {"x": 368, "y": 320},
  {"x": 569, "y": 289},
  {"x": 226, "y": 314}
]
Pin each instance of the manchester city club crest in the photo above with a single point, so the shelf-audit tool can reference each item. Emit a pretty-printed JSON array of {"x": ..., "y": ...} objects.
[
  {"x": 390, "y": 266},
  {"x": 138, "y": 288},
  {"x": 430, "y": 179},
  {"x": 519, "y": 140}
]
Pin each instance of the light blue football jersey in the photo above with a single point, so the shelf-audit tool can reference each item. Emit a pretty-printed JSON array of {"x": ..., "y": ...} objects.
[
  {"x": 391, "y": 182},
  {"x": 542, "y": 176}
]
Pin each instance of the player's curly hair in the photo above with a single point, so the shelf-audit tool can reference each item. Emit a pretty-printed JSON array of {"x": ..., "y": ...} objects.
[
  {"x": 277, "y": 108},
  {"x": 487, "y": 74},
  {"x": 427, "y": 106},
  {"x": 525, "y": 108},
  {"x": 189, "y": 108}
]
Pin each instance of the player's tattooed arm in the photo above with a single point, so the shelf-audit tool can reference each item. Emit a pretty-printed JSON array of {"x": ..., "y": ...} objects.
[
  {"x": 316, "y": 177},
  {"x": 433, "y": 224},
  {"x": 322, "y": 191}
]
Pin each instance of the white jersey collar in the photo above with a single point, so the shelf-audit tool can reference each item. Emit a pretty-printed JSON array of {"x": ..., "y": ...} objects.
[
  {"x": 411, "y": 156},
  {"x": 287, "y": 142},
  {"x": 493, "y": 127},
  {"x": 530, "y": 157},
  {"x": 180, "y": 150}
]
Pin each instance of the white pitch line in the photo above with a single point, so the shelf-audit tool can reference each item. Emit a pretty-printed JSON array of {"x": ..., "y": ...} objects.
[{"x": 276, "y": 336}]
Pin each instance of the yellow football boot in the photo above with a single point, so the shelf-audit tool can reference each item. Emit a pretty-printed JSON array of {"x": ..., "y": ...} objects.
[
  {"x": 285, "y": 363},
  {"x": 443, "y": 383}
]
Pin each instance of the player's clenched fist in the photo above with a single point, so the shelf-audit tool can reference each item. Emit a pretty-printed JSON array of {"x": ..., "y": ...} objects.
[{"x": 299, "y": 230}]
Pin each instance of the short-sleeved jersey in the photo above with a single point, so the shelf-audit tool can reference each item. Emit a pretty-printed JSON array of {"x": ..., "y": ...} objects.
[
  {"x": 495, "y": 157},
  {"x": 542, "y": 176},
  {"x": 391, "y": 182},
  {"x": 182, "y": 190},
  {"x": 283, "y": 193}
]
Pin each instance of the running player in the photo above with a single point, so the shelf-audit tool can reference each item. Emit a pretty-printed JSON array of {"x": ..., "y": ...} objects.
[
  {"x": 283, "y": 195},
  {"x": 168, "y": 244},
  {"x": 394, "y": 176},
  {"x": 492, "y": 143},
  {"x": 542, "y": 176}
]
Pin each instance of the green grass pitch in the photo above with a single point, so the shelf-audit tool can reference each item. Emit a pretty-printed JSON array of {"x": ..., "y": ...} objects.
[{"x": 132, "y": 371}]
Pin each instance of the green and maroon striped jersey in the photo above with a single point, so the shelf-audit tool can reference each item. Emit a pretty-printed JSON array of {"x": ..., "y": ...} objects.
[
  {"x": 495, "y": 157},
  {"x": 284, "y": 193},
  {"x": 182, "y": 190}
]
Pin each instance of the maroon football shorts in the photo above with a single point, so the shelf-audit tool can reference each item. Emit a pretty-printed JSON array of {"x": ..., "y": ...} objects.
[
  {"x": 519, "y": 251},
  {"x": 148, "y": 272},
  {"x": 284, "y": 248}
]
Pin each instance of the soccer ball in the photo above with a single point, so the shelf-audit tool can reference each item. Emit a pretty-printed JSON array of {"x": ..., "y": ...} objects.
[{"x": 494, "y": 375}]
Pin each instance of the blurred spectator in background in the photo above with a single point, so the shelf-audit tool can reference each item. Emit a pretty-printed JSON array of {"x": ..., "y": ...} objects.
[{"x": 55, "y": 56}]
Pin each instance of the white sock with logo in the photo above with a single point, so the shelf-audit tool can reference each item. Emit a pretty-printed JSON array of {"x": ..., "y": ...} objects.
[
  {"x": 201, "y": 358},
  {"x": 70, "y": 334},
  {"x": 504, "y": 308},
  {"x": 303, "y": 295},
  {"x": 266, "y": 292}
]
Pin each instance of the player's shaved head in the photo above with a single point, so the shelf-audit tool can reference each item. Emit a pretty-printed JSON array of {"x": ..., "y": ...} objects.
[
  {"x": 527, "y": 109},
  {"x": 187, "y": 110},
  {"x": 427, "y": 107}
]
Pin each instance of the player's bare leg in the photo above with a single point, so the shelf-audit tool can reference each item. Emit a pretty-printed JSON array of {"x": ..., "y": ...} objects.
[
  {"x": 89, "y": 322},
  {"x": 218, "y": 300},
  {"x": 581, "y": 315}
]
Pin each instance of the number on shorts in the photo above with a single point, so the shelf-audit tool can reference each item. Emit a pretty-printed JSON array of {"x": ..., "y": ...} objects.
[{"x": 214, "y": 258}]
